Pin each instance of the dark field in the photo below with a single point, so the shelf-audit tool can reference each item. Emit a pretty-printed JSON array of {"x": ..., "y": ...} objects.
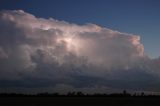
[{"x": 74, "y": 101}]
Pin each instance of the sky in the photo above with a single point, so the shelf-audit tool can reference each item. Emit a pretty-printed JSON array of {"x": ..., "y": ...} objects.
[
  {"x": 90, "y": 46},
  {"x": 140, "y": 17}
]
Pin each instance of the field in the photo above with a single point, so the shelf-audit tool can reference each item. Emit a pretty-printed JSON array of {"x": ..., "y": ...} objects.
[{"x": 74, "y": 101}]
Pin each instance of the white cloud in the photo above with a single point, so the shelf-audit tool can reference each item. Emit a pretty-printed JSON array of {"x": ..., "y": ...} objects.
[{"x": 61, "y": 52}]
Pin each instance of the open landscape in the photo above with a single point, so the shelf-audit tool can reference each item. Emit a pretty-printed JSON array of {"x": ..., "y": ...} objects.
[
  {"x": 79, "y": 52},
  {"x": 79, "y": 99}
]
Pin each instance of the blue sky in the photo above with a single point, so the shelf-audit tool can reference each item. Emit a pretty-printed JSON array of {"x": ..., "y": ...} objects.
[
  {"x": 141, "y": 17},
  {"x": 51, "y": 55}
]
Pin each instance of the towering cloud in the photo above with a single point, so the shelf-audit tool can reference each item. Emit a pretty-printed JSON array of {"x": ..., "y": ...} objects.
[{"x": 41, "y": 53}]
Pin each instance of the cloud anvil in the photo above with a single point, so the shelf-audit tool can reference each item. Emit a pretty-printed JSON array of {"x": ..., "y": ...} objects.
[{"x": 56, "y": 54}]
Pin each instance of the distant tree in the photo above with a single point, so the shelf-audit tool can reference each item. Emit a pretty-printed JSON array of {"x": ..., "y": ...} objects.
[
  {"x": 55, "y": 94},
  {"x": 71, "y": 94},
  {"x": 80, "y": 93},
  {"x": 142, "y": 93},
  {"x": 135, "y": 94},
  {"x": 124, "y": 92}
]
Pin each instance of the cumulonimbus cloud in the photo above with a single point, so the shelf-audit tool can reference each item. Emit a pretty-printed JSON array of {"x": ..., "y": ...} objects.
[{"x": 48, "y": 52}]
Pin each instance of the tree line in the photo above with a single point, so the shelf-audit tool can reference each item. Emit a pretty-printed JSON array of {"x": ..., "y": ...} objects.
[{"x": 79, "y": 94}]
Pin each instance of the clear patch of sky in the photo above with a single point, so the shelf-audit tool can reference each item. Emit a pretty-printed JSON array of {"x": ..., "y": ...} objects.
[{"x": 141, "y": 17}]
